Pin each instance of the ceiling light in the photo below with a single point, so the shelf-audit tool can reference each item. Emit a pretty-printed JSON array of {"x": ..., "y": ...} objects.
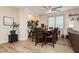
[{"x": 50, "y": 11}]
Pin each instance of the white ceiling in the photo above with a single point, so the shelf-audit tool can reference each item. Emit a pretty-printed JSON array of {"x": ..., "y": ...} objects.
[{"x": 41, "y": 10}]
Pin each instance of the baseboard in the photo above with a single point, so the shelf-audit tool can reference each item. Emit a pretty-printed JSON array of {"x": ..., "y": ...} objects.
[
  {"x": 7, "y": 41},
  {"x": 3, "y": 41},
  {"x": 23, "y": 38}
]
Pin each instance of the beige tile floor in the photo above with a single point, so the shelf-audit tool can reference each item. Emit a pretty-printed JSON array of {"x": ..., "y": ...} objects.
[{"x": 27, "y": 46}]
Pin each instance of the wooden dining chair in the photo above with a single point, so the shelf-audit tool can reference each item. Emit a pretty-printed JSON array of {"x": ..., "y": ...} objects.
[
  {"x": 51, "y": 38},
  {"x": 33, "y": 34},
  {"x": 39, "y": 37},
  {"x": 56, "y": 33}
]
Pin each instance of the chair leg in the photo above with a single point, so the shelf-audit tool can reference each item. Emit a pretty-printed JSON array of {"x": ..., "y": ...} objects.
[
  {"x": 35, "y": 43},
  {"x": 45, "y": 41},
  {"x": 53, "y": 45},
  {"x": 32, "y": 39},
  {"x": 42, "y": 45}
]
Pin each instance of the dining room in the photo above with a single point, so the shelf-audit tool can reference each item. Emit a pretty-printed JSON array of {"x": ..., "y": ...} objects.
[
  {"x": 39, "y": 29},
  {"x": 40, "y": 32},
  {"x": 50, "y": 27}
]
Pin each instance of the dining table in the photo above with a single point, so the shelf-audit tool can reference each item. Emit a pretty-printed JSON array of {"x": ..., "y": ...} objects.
[{"x": 45, "y": 34}]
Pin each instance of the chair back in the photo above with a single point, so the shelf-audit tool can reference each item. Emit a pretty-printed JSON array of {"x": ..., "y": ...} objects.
[
  {"x": 55, "y": 34},
  {"x": 38, "y": 31},
  {"x": 33, "y": 32},
  {"x": 39, "y": 36}
]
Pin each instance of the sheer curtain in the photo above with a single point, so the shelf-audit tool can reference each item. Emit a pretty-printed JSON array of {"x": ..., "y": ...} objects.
[
  {"x": 51, "y": 22},
  {"x": 56, "y": 21},
  {"x": 59, "y": 22}
]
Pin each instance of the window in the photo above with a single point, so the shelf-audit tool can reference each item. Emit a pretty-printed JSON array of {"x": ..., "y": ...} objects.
[
  {"x": 51, "y": 22},
  {"x": 56, "y": 21},
  {"x": 59, "y": 21}
]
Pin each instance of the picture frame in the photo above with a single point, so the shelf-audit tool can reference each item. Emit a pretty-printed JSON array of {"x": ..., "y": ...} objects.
[{"x": 8, "y": 21}]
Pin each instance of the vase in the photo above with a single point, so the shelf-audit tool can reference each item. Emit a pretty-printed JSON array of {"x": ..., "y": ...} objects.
[{"x": 12, "y": 32}]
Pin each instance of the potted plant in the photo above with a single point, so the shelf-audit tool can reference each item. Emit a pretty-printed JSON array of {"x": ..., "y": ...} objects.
[
  {"x": 14, "y": 26},
  {"x": 31, "y": 25}
]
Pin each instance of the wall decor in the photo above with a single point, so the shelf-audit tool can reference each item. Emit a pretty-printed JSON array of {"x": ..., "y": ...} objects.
[
  {"x": 74, "y": 17},
  {"x": 8, "y": 21},
  {"x": 77, "y": 18}
]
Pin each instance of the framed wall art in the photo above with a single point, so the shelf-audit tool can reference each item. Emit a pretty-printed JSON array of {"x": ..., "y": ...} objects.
[{"x": 8, "y": 21}]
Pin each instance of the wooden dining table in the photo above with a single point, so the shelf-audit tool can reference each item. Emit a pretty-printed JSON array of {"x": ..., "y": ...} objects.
[{"x": 46, "y": 33}]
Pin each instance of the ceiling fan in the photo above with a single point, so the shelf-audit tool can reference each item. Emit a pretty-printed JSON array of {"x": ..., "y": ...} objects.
[{"x": 51, "y": 9}]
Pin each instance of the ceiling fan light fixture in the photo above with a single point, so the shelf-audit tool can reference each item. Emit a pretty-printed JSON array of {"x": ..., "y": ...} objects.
[{"x": 49, "y": 11}]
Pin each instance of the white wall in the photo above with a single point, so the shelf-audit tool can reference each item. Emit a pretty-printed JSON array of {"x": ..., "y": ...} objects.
[
  {"x": 23, "y": 18},
  {"x": 5, "y": 30},
  {"x": 75, "y": 22},
  {"x": 43, "y": 20},
  {"x": 20, "y": 16},
  {"x": 66, "y": 19}
]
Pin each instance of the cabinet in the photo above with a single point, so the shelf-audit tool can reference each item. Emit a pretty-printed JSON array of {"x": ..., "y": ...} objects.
[
  {"x": 13, "y": 38},
  {"x": 74, "y": 39}
]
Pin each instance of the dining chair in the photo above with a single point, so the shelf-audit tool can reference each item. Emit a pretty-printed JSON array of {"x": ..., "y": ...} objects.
[
  {"x": 39, "y": 37},
  {"x": 33, "y": 35},
  {"x": 52, "y": 38}
]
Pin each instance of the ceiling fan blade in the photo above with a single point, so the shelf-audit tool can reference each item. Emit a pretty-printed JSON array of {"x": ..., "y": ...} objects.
[
  {"x": 56, "y": 10},
  {"x": 45, "y": 7},
  {"x": 56, "y": 7}
]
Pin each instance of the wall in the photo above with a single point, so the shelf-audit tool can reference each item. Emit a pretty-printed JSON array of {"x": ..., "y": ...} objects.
[
  {"x": 43, "y": 20},
  {"x": 23, "y": 18},
  {"x": 66, "y": 19},
  {"x": 5, "y": 30},
  {"x": 20, "y": 16}
]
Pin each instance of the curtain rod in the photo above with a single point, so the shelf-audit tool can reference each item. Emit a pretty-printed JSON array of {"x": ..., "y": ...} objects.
[{"x": 73, "y": 15}]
